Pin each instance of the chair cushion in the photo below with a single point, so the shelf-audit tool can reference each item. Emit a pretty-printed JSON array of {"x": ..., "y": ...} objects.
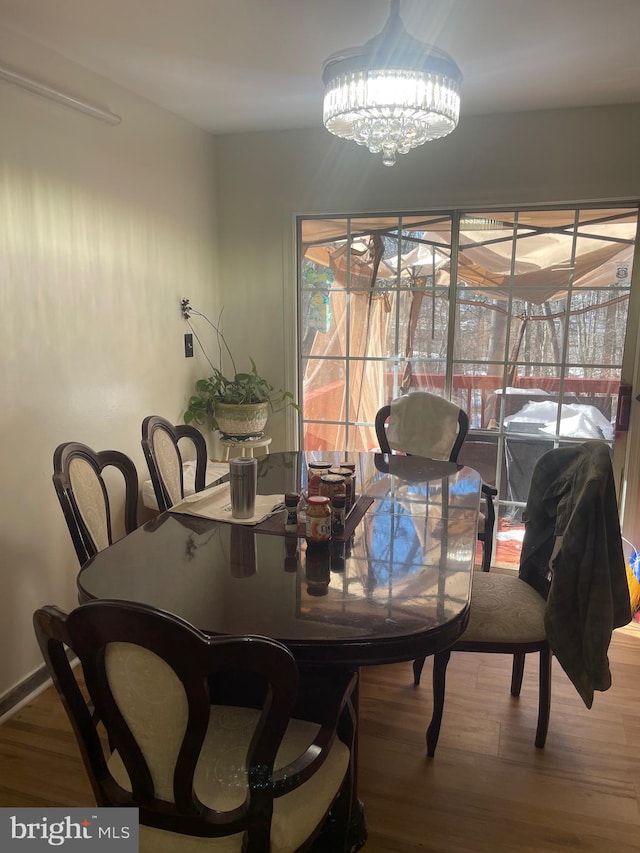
[
  {"x": 168, "y": 461},
  {"x": 153, "y": 703},
  {"x": 504, "y": 609},
  {"x": 220, "y": 782},
  {"x": 90, "y": 500}
]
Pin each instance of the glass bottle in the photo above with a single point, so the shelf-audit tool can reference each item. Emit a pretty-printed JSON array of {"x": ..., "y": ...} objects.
[{"x": 318, "y": 528}]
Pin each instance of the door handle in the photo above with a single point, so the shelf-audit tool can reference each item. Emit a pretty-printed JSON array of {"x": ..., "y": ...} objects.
[{"x": 624, "y": 408}]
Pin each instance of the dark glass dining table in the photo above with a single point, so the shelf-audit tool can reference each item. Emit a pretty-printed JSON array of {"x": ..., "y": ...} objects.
[{"x": 394, "y": 587}]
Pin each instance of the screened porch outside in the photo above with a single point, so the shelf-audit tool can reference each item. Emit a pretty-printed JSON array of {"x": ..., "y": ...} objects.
[{"x": 519, "y": 317}]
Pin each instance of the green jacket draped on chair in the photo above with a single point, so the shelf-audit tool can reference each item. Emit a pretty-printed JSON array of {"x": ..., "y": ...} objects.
[{"x": 573, "y": 540}]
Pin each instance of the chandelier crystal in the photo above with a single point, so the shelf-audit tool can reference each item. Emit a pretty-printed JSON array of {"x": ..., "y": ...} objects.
[{"x": 393, "y": 93}]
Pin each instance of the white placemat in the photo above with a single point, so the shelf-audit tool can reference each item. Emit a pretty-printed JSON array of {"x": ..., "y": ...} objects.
[{"x": 215, "y": 503}]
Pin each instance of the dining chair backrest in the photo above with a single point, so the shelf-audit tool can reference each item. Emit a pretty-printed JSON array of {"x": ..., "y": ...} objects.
[
  {"x": 160, "y": 440},
  {"x": 192, "y": 767},
  {"x": 84, "y": 496},
  {"x": 422, "y": 424}
]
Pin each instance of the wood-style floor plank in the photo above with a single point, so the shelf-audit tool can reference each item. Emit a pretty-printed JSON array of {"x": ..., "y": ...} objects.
[{"x": 487, "y": 789}]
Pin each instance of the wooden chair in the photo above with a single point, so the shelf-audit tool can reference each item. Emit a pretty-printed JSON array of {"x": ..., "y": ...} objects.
[
  {"x": 84, "y": 498},
  {"x": 506, "y": 617},
  {"x": 160, "y": 446},
  {"x": 420, "y": 434},
  {"x": 571, "y": 590},
  {"x": 222, "y": 777}
]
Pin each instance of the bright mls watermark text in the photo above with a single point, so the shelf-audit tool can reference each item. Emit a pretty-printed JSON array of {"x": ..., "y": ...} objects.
[{"x": 100, "y": 829}]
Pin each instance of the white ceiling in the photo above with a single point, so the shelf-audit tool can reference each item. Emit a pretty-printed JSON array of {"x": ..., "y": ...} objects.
[{"x": 241, "y": 65}]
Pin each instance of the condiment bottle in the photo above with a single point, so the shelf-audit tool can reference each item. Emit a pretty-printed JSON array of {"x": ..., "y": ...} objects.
[
  {"x": 318, "y": 528},
  {"x": 353, "y": 497},
  {"x": 291, "y": 520},
  {"x": 347, "y": 476},
  {"x": 315, "y": 471},
  {"x": 332, "y": 484},
  {"x": 338, "y": 515}
]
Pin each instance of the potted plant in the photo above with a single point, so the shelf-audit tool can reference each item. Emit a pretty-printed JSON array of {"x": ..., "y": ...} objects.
[{"x": 237, "y": 404}]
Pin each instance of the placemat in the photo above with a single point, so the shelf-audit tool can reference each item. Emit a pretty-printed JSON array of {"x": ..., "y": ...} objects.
[
  {"x": 215, "y": 503},
  {"x": 275, "y": 523}
]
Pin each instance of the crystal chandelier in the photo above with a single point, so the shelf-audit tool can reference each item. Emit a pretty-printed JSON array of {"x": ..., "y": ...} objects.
[{"x": 393, "y": 93}]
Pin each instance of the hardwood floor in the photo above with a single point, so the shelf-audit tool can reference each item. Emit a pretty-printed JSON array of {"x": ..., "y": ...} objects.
[{"x": 487, "y": 789}]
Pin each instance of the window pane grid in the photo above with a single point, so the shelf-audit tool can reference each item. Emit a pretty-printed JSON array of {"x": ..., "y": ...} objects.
[{"x": 508, "y": 313}]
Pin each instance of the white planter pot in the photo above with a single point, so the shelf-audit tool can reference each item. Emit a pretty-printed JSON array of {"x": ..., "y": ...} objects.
[{"x": 243, "y": 420}]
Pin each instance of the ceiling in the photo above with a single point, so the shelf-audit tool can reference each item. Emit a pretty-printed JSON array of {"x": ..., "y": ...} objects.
[{"x": 246, "y": 65}]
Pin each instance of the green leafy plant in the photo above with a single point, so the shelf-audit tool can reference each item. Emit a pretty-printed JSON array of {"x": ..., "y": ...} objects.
[{"x": 220, "y": 388}]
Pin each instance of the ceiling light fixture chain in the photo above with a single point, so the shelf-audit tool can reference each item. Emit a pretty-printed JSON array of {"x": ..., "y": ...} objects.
[{"x": 393, "y": 93}]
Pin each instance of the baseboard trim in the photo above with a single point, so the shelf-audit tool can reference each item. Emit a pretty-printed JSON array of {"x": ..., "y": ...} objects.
[
  {"x": 28, "y": 689},
  {"x": 23, "y": 692}
]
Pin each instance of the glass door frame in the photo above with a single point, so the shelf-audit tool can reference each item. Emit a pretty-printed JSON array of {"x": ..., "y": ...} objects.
[{"x": 626, "y": 461}]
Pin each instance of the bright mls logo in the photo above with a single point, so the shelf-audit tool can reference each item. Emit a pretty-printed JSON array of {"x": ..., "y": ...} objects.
[{"x": 101, "y": 829}]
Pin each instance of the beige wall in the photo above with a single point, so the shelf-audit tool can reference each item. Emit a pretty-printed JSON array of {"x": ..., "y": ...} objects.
[
  {"x": 103, "y": 230},
  {"x": 266, "y": 178}
]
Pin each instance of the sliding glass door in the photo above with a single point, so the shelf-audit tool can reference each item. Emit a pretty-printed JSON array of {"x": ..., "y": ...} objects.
[{"x": 517, "y": 316}]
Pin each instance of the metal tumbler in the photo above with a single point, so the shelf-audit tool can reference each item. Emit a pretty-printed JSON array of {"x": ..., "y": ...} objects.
[{"x": 243, "y": 480}]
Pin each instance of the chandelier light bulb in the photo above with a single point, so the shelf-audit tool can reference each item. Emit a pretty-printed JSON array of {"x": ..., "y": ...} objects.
[{"x": 393, "y": 93}]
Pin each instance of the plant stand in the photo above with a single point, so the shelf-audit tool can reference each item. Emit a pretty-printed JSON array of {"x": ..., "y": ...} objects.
[{"x": 245, "y": 447}]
